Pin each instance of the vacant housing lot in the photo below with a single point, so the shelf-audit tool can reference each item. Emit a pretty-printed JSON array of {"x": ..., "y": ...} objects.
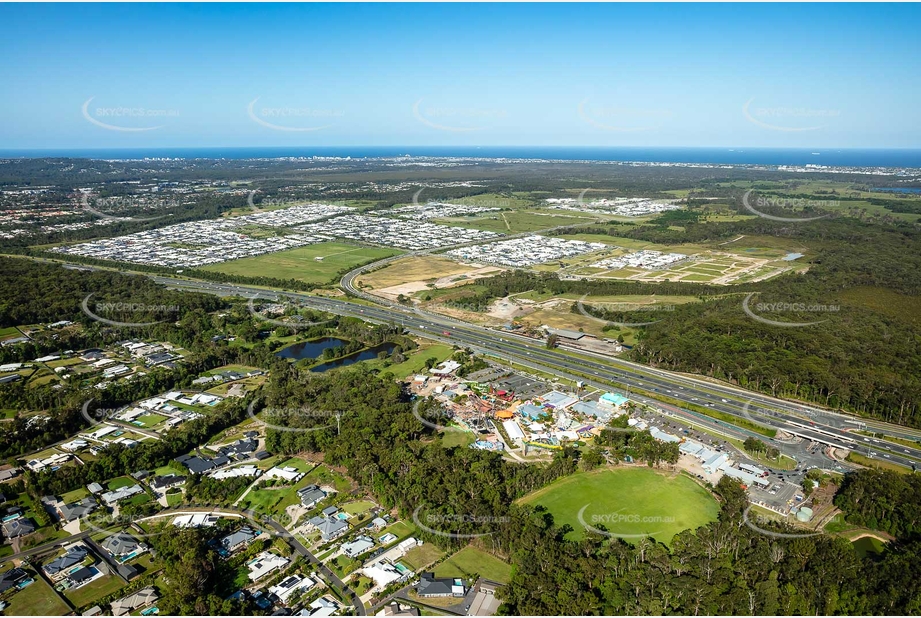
[{"x": 315, "y": 264}]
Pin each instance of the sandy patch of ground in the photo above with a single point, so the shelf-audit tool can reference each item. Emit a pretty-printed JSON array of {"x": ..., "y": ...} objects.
[
  {"x": 448, "y": 281},
  {"x": 407, "y": 289},
  {"x": 507, "y": 309}
]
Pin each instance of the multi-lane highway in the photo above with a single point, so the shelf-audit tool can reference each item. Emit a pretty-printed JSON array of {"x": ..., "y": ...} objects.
[{"x": 643, "y": 383}]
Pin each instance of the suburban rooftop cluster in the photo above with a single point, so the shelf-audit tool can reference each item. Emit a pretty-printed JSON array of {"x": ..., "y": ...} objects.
[
  {"x": 185, "y": 245},
  {"x": 295, "y": 215},
  {"x": 413, "y": 235},
  {"x": 646, "y": 259},
  {"x": 434, "y": 210},
  {"x": 622, "y": 206},
  {"x": 526, "y": 251}
]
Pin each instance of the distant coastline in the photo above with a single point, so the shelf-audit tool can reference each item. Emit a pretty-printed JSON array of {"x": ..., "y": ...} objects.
[{"x": 832, "y": 157}]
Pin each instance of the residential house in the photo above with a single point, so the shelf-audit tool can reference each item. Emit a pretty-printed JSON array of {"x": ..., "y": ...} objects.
[
  {"x": 133, "y": 602},
  {"x": 57, "y": 568},
  {"x": 239, "y": 539},
  {"x": 311, "y": 495},
  {"x": 330, "y": 527},
  {"x": 265, "y": 563},
  {"x": 113, "y": 497},
  {"x": 324, "y": 606},
  {"x": 76, "y": 510},
  {"x": 121, "y": 545},
  {"x": 431, "y": 586},
  {"x": 13, "y": 578},
  {"x": 288, "y": 586},
  {"x": 357, "y": 547},
  {"x": 19, "y": 527},
  {"x": 167, "y": 481},
  {"x": 83, "y": 576}
]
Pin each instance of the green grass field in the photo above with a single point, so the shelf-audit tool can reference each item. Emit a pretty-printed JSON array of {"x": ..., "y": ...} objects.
[
  {"x": 102, "y": 587},
  {"x": 627, "y": 501},
  {"x": 301, "y": 263},
  {"x": 457, "y": 437},
  {"x": 472, "y": 561},
  {"x": 421, "y": 556},
  {"x": 149, "y": 420},
  {"x": 401, "y": 529},
  {"x": 356, "y": 507},
  {"x": 37, "y": 599}
]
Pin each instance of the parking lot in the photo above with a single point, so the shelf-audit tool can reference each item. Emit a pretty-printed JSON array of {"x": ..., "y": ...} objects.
[{"x": 778, "y": 496}]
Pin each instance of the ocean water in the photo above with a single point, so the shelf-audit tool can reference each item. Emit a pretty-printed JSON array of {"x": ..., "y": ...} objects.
[{"x": 835, "y": 157}]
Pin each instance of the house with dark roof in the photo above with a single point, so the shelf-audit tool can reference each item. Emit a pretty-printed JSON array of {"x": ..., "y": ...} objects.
[
  {"x": 162, "y": 483},
  {"x": 11, "y": 578},
  {"x": 311, "y": 495},
  {"x": 76, "y": 510},
  {"x": 431, "y": 586},
  {"x": 196, "y": 465},
  {"x": 18, "y": 527},
  {"x": 83, "y": 576},
  {"x": 57, "y": 568},
  {"x": 240, "y": 447},
  {"x": 122, "y": 544}
]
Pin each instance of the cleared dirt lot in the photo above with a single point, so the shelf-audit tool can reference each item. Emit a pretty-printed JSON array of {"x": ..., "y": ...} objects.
[{"x": 424, "y": 270}]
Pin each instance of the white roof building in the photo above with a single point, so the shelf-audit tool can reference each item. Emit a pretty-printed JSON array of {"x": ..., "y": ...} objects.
[
  {"x": 265, "y": 563},
  {"x": 382, "y": 573},
  {"x": 287, "y": 473},
  {"x": 290, "y": 585},
  {"x": 229, "y": 473}
]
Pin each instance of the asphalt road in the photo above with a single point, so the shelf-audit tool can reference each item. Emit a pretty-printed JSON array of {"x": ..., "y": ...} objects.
[
  {"x": 322, "y": 568},
  {"x": 808, "y": 422}
]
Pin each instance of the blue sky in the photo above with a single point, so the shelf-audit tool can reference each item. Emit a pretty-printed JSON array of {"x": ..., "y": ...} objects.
[{"x": 784, "y": 75}]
